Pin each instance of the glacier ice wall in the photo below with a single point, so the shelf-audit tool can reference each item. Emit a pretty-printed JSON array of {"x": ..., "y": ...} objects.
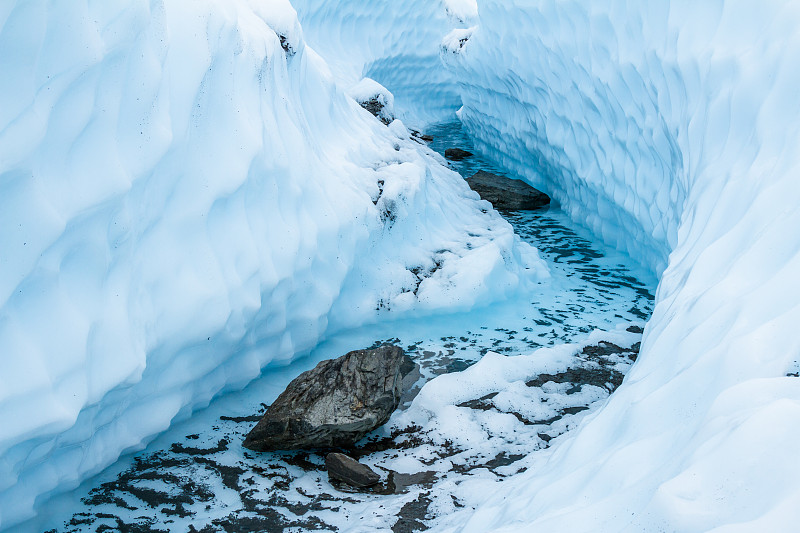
[
  {"x": 395, "y": 43},
  {"x": 186, "y": 195},
  {"x": 592, "y": 117},
  {"x": 671, "y": 129}
]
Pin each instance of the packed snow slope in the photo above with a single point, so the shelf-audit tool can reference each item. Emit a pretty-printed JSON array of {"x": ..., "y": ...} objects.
[
  {"x": 187, "y": 196},
  {"x": 672, "y": 130}
]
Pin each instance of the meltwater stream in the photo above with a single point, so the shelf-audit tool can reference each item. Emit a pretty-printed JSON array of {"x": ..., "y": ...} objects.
[{"x": 197, "y": 476}]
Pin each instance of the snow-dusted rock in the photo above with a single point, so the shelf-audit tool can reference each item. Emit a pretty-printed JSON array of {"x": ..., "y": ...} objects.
[{"x": 334, "y": 404}]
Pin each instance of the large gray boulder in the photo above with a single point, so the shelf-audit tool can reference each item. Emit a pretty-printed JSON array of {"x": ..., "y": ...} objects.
[
  {"x": 506, "y": 193},
  {"x": 336, "y": 403}
]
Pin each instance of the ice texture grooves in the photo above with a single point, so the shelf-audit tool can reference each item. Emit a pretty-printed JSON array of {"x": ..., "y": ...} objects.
[
  {"x": 671, "y": 130},
  {"x": 357, "y": 39},
  {"x": 187, "y": 197}
]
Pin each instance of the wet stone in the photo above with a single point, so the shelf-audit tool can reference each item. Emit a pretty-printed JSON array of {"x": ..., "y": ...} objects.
[
  {"x": 411, "y": 514},
  {"x": 344, "y": 468},
  {"x": 507, "y": 194},
  {"x": 421, "y": 136},
  {"x": 456, "y": 154}
]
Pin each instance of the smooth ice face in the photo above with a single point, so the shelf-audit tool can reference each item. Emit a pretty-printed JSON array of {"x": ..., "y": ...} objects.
[
  {"x": 185, "y": 197},
  {"x": 670, "y": 128}
]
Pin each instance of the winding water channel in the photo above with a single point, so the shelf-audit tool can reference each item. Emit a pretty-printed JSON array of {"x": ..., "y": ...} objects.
[{"x": 197, "y": 477}]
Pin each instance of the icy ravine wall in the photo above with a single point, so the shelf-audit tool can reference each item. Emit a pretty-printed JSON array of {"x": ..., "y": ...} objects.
[
  {"x": 185, "y": 197},
  {"x": 396, "y": 43},
  {"x": 590, "y": 116},
  {"x": 671, "y": 130},
  {"x": 425, "y": 53}
]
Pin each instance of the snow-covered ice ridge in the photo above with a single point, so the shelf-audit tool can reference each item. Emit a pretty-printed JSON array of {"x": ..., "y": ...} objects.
[
  {"x": 671, "y": 129},
  {"x": 187, "y": 196}
]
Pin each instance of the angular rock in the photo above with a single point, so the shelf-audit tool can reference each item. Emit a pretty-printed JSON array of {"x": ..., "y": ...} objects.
[
  {"x": 336, "y": 403},
  {"x": 506, "y": 193},
  {"x": 456, "y": 154},
  {"x": 344, "y": 468}
]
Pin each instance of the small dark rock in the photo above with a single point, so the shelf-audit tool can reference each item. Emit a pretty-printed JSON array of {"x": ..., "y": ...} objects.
[
  {"x": 456, "y": 154},
  {"x": 336, "y": 403},
  {"x": 506, "y": 193},
  {"x": 350, "y": 471}
]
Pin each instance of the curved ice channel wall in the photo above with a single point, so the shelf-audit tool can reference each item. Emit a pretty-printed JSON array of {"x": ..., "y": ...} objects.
[
  {"x": 395, "y": 43},
  {"x": 671, "y": 129},
  {"x": 187, "y": 196}
]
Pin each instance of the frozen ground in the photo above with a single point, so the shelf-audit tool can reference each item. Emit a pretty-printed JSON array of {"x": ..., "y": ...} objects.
[{"x": 541, "y": 368}]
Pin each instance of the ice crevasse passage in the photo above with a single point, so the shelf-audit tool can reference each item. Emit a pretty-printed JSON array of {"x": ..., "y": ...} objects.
[
  {"x": 187, "y": 196},
  {"x": 671, "y": 129}
]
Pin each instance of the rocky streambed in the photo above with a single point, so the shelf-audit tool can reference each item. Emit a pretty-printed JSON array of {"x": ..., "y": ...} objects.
[{"x": 208, "y": 482}]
